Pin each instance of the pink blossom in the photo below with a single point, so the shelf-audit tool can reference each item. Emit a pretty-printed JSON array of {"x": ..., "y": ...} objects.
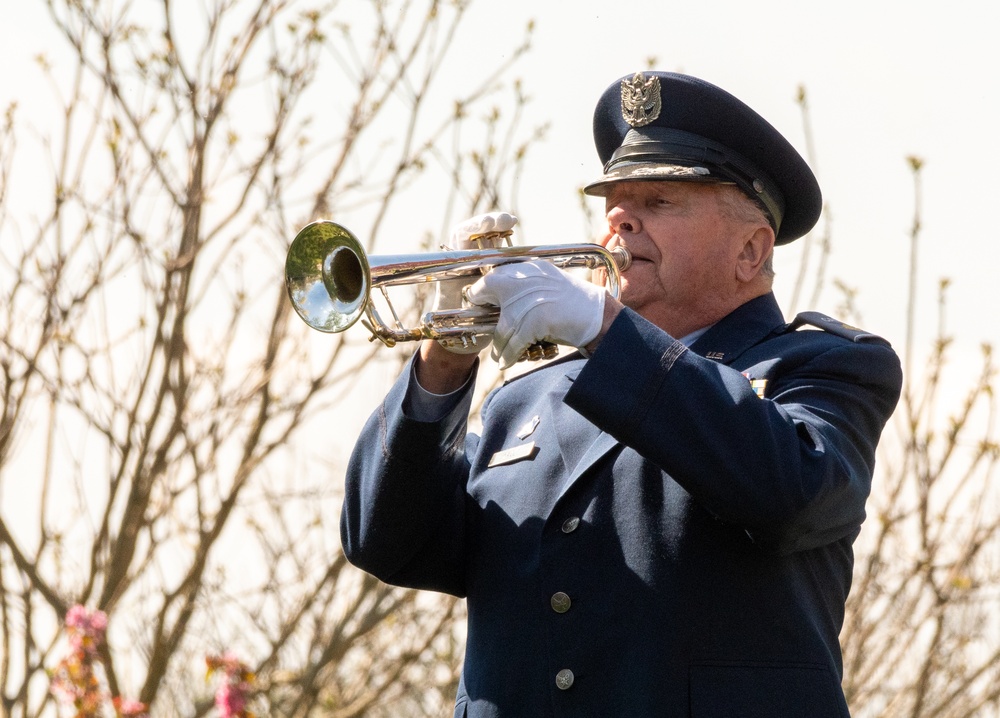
[
  {"x": 130, "y": 709},
  {"x": 233, "y": 694},
  {"x": 86, "y": 628},
  {"x": 231, "y": 698},
  {"x": 87, "y": 621}
]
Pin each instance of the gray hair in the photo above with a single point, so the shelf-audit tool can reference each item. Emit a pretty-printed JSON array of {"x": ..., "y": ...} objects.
[{"x": 739, "y": 206}]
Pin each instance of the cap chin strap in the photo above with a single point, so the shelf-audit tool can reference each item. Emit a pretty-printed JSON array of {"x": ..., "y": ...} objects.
[{"x": 665, "y": 146}]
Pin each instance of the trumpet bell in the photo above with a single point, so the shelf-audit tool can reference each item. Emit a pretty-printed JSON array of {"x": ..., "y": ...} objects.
[{"x": 327, "y": 276}]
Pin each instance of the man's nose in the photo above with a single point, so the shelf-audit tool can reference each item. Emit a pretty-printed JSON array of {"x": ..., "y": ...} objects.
[{"x": 621, "y": 219}]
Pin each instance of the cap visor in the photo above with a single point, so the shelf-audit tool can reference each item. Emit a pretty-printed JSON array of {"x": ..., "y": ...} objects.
[{"x": 640, "y": 171}]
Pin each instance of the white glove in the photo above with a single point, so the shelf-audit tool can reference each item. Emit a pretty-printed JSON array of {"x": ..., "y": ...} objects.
[
  {"x": 538, "y": 302},
  {"x": 449, "y": 291},
  {"x": 462, "y": 232}
]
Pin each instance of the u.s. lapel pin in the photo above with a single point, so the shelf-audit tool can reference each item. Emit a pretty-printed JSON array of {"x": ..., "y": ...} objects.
[
  {"x": 716, "y": 356},
  {"x": 513, "y": 454},
  {"x": 528, "y": 429}
]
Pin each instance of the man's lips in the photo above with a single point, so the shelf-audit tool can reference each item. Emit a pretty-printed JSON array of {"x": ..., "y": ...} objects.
[{"x": 616, "y": 241}]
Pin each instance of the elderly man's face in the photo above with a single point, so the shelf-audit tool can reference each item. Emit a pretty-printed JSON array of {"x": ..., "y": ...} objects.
[{"x": 685, "y": 249}]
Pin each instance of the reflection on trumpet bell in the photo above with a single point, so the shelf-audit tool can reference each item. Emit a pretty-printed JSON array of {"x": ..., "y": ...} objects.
[
  {"x": 330, "y": 280},
  {"x": 327, "y": 277}
]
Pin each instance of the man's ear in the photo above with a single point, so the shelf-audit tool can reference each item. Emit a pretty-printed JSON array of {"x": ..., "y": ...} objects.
[{"x": 757, "y": 247}]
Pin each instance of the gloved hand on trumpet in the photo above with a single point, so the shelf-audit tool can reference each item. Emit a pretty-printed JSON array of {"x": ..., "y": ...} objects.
[
  {"x": 538, "y": 302},
  {"x": 481, "y": 231}
]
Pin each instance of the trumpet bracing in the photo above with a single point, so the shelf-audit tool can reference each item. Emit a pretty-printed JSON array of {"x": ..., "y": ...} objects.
[{"x": 330, "y": 280}]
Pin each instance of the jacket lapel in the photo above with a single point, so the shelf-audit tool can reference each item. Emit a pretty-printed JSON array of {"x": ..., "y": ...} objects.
[
  {"x": 602, "y": 444},
  {"x": 572, "y": 431}
]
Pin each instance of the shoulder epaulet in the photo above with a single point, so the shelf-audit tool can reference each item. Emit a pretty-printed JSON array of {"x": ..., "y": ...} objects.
[{"x": 834, "y": 326}]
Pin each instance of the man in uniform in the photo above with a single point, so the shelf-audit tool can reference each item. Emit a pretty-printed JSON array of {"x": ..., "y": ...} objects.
[{"x": 660, "y": 523}]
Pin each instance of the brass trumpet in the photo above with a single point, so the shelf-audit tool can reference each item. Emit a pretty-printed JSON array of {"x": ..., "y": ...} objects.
[{"x": 330, "y": 280}]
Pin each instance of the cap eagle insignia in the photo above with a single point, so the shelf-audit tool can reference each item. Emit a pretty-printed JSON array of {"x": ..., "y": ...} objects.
[{"x": 641, "y": 100}]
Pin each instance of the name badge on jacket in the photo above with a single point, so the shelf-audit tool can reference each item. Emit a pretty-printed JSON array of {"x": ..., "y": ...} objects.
[{"x": 514, "y": 454}]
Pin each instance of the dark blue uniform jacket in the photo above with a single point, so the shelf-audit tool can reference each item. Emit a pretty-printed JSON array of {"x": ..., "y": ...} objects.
[{"x": 676, "y": 543}]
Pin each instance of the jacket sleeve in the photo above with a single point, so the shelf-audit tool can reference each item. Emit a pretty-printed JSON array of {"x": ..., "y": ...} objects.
[
  {"x": 794, "y": 470},
  {"x": 403, "y": 517}
]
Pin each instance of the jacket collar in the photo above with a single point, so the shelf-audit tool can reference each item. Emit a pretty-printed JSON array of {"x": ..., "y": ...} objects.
[{"x": 743, "y": 328}]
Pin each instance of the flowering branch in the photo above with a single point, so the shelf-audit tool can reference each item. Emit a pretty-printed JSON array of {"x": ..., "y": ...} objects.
[{"x": 76, "y": 681}]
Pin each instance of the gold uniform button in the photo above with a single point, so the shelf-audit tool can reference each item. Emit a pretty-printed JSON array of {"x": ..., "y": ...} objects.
[
  {"x": 570, "y": 525},
  {"x": 560, "y": 602},
  {"x": 564, "y": 679}
]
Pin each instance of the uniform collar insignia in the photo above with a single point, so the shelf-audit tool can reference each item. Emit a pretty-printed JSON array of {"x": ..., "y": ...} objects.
[{"x": 641, "y": 102}]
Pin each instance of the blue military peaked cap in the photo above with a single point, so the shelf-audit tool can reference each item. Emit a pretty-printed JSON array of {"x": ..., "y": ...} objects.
[{"x": 667, "y": 126}]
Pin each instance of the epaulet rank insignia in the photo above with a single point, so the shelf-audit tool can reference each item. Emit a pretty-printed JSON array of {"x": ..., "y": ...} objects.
[{"x": 834, "y": 326}]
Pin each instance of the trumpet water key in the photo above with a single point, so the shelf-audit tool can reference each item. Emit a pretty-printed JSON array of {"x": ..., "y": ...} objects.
[{"x": 330, "y": 280}]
